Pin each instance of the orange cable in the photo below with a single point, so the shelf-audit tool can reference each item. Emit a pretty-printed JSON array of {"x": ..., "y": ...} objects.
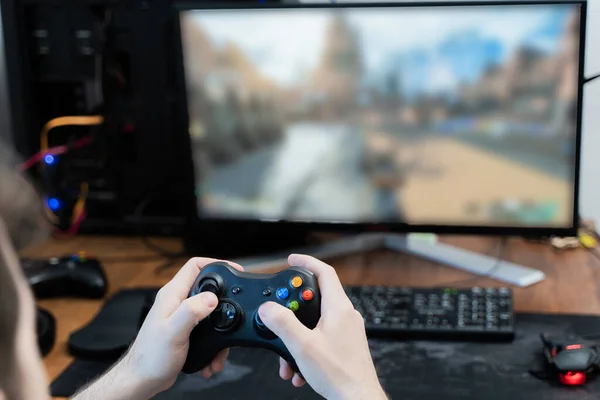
[{"x": 67, "y": 121}]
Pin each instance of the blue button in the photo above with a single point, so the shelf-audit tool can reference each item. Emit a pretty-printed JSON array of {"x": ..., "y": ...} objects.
[{"x": 283, "y": 293}]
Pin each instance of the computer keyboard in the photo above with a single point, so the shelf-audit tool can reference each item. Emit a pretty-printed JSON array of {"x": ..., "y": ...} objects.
[{"x": 474, "y": 314}]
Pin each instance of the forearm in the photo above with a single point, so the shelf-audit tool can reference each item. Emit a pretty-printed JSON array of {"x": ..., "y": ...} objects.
[
  {"x": 118, "y": 383},
  {"x": 374, "y": 392},
  {"x": 371, "y": 391}
]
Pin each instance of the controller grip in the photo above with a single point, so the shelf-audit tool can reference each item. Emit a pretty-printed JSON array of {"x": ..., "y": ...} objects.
[
  {"x": 201, "y": 355},
  {"x": 200, "y": 359}
]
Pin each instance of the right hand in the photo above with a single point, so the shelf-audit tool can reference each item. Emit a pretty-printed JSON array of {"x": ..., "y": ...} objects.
[{"x": 334, "y": 358}]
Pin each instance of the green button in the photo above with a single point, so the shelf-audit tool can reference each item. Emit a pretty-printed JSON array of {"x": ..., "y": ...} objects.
[{"x": 293, "y": 305}]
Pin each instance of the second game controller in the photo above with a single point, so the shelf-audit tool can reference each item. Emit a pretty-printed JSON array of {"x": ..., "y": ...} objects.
[
  {"x": 71, "y": 276},
  {"x": 235, "y": 321}
]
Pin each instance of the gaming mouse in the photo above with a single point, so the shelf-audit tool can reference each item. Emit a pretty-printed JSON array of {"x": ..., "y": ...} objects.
[{"x": 572, "y": 360}]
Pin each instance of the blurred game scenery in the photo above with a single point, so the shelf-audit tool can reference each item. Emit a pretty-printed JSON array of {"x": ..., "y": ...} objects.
[{"x": 321, "y": 115}]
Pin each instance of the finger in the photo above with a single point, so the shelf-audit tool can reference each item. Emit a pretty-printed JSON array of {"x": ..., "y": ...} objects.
[
  {"x": 206, "y": 372},
  {"x": 218, "y": 363},
  {"x": 282, "y": 322},
  {"x": 285, "y": 371},
  {"x": 297, "y": 381},
  {"x": 182, "y": 282},
  {"x": 329, "y": 283},
  {"x": 190, "y": 312}
]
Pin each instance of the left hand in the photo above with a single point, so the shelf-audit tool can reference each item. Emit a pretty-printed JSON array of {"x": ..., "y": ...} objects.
[{"x": 161, "y": 347}]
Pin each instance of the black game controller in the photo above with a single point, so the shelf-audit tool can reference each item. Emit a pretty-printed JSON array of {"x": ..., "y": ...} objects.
[
  {"x": 235, "y": 321},
  {"x": 73, "y": 276}
]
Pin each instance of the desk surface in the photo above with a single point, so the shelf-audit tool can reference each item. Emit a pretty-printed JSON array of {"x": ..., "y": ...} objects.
[{"x": 572, "y": 284}]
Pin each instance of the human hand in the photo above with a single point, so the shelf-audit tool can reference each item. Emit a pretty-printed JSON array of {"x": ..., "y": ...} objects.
[
  {"x": 161, "y": 347},
  {"x": 334, "y": 358}
]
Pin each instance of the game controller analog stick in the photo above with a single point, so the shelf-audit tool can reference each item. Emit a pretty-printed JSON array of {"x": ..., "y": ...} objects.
[
  {"x": 226, "y": 316},
  {"x": 258, "y": 322},
  {"x": 240, "y": 294},
  {"x": 261, "y": 328},
  {"x": 209, "y": 285}
]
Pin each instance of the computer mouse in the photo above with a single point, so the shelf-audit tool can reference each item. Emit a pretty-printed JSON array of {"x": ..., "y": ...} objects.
[{"x": 572, "y": 360}]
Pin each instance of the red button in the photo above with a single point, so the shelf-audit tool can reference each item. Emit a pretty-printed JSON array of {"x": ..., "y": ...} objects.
[{"x": 307, "y": 295}]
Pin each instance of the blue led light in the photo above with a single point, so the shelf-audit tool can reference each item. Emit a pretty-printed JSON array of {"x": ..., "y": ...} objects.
[
  {"x": 53, "y": 204},
  {"x": 49, "y": 159}
]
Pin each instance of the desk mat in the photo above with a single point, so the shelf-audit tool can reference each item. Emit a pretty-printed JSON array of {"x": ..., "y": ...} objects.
[{"x": 408, "y": 370}]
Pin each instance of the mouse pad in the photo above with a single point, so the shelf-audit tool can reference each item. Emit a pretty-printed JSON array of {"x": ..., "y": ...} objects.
[{"x": 412, "y": 370}]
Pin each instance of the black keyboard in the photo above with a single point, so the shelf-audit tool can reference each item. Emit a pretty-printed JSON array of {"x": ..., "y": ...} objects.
[{"x": 474, "y": 314}]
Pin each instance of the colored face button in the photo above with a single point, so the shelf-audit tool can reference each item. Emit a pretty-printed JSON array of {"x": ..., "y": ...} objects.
[
  {"x": 293, "y": 305},
  {"x": 307, "y": 294},
  {"x": 296, "y": 282},
  {"x": 282, "y": 293}
]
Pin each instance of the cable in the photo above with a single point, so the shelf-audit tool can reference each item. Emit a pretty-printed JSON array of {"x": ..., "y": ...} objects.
[
  {"x": 80, "y": 204},
  {"x": 77, "y": 223},
  {"x": 166, "y": 265},
  {"x": 489, "y": 273},
  {"x": 171, "y": 257},
  {"x": 590, "y": 78},
  {"x": 67, "y": 121},
  {"x": 53, "y": 151},
  {"x": 145, "y": 239},
  {"x": 78, "y": 214}
]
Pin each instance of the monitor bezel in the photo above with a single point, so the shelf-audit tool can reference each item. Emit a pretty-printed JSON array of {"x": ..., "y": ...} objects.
[{"x": 198, "y": 225}]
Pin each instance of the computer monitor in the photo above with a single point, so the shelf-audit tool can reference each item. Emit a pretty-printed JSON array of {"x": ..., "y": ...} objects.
[{"x": 411, "y": 117}]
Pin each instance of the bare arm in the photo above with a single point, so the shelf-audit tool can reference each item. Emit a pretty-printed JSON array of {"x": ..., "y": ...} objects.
[{"x": 118, "y": 383}]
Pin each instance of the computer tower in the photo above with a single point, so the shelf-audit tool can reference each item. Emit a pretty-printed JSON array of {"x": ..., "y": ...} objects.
[{"x": 69, "y": 58}]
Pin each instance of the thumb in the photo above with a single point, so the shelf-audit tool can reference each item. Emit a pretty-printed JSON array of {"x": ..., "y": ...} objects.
[
  {"x": 191, "y": 311},
  {"x": 283, "y": 322}
]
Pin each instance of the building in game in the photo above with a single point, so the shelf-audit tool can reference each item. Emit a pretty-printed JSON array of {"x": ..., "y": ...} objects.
[
  {"x": 231, "y": 105},
  {"x": 336, "y": 82}
]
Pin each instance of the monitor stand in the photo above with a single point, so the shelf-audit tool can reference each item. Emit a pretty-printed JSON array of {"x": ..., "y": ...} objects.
[{"x": 479, "y": 264}]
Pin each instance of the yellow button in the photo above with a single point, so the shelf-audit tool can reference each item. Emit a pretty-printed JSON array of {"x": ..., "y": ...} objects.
[
  {"x": 82, "y": 256},
  {"x": 296, "y": 281}
]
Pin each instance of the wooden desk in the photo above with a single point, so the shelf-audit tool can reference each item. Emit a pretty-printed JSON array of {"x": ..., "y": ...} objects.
[{"x": 572, "y": 283}]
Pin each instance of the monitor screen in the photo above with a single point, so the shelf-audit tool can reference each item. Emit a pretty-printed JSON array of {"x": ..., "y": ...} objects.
[{"x": 445, "y": 115}]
